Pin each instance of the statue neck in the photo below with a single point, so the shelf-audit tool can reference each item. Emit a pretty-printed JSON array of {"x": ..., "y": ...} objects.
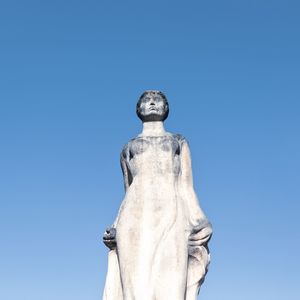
[{"x": 153, "y": 129}]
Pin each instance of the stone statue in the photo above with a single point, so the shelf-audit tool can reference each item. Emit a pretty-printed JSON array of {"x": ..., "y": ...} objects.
[{"x": 158, "y": 242}]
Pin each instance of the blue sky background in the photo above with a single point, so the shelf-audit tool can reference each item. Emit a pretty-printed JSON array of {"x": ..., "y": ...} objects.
[{"x": 70, "y": 75}]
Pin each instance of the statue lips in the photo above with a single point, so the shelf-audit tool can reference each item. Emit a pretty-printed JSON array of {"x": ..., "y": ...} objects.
[{"x": 153, "y": 109}]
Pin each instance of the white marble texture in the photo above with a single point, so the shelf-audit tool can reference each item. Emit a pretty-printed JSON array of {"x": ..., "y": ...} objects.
[{"x": 158, "y": 242}]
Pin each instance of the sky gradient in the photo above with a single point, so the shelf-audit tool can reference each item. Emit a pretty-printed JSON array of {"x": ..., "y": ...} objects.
[{"x": 71, "y": 73}]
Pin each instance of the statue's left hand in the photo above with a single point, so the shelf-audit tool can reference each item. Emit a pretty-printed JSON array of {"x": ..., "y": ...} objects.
[
  {"x": 109, "y": 238},
  {"x": 200, "y": 234}
]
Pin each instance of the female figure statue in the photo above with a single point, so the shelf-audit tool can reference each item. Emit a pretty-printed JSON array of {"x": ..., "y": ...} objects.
[{"x": 158, "y": 242}]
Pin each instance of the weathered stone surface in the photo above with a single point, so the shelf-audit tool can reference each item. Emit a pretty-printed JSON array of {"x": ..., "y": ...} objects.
[{"x": 158, "y": 242}]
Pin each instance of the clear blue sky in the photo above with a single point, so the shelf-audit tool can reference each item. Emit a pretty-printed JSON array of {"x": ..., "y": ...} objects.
[{"x": 70, "y": 75}]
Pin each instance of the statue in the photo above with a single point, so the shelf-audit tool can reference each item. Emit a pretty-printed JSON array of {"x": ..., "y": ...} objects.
[{"x": 158, "y": 242}]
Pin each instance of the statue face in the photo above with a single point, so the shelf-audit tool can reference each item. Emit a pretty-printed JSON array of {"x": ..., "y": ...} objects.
[{"x": 152, "y": 107}]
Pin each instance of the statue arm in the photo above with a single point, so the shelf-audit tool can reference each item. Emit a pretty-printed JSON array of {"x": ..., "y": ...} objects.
[
  {"x": 201, "y": 228},
  {"x": 109, "y": 237},
  {"x": 124, "y": 171},
  {"x": 127, "y": 182}
]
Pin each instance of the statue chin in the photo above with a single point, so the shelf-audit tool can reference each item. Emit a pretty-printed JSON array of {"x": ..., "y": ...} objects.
[{"x": 152, "y": 117}]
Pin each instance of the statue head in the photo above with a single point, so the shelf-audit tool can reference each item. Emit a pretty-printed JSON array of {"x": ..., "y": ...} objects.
[{"x": 152, "y": 106}]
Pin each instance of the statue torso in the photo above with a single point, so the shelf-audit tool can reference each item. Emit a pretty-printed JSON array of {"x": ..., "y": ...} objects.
[{"x": 154, "y": 157}]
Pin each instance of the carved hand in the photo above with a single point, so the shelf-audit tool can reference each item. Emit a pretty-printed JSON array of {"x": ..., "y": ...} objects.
[
  {"x": 109, "y": 238},
  {"x": 200, "y": 234}
]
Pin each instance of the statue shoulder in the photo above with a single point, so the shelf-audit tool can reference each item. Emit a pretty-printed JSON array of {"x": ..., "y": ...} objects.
[
  {"x": 126, "y": 148},
  {"x": 180, "y": 138}
]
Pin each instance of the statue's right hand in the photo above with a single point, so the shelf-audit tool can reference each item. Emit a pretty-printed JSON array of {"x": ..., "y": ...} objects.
[{"x": 109, "y": 238}]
